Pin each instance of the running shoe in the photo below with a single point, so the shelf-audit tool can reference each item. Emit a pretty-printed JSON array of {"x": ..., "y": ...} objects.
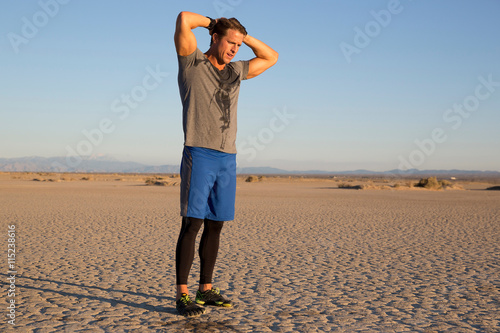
[
  {"x": 212, "y": 297},
  {"x": 186, "y": 307}
]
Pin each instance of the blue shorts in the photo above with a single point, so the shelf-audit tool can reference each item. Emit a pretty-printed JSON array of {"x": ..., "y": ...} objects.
[{"x": 208, "y": 184}]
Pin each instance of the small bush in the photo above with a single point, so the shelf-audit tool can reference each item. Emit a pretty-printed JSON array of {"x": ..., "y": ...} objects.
[
  {"x": 156, "y": 182},
  {"x": 445, "y": 183},
  {"x": 433, "y": 184},
  {"x": 430, "y": 183},
  {"x": 353, "y": 187},
  {"x": 252, "y": 179}
]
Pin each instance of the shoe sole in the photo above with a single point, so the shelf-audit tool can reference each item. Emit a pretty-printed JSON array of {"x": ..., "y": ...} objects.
[
  {"x": 192, "y": 315},
  {"x": 226, "y": 305}
]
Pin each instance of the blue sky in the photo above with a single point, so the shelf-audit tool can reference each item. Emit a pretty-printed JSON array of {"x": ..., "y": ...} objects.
[{"x": 373, "y": 85}]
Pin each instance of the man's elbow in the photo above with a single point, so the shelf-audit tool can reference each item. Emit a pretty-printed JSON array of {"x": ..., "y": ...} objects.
[
  {"x": 182, "y": 18},
  {"x": 274, "y": 58}
]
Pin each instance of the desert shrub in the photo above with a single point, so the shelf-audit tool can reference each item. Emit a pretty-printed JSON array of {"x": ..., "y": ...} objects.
[
  {"x": 252, "y": 179},
  {"x": 429, "y": 183},
  {"x": 445, "y": 183},
  {"x": 353, "y": 187},
  {"x": 156, "y": 182},
  {"x": 433, "y": 184}
]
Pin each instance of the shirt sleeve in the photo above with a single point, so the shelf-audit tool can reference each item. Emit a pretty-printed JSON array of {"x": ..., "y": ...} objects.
[
  {"x": 242, "y": 68},
  {"x": 187, "y": 61}
]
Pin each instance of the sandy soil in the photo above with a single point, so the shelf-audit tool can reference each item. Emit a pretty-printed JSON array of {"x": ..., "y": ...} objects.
[{"x": 301, "y": 256}]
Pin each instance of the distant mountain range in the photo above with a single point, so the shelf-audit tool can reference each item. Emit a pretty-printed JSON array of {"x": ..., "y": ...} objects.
[
  {"x": 97, "y": 164},
  {"x": 107, "y": 164}
]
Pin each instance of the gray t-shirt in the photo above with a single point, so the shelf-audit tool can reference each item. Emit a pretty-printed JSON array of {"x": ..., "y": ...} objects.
[{"x": 209, "y": 100}]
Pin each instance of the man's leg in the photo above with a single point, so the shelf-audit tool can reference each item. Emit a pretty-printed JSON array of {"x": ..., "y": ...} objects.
[
  {"x": 185, "y": 252},
  {"x": 209, "y": 247},
  {"x": 183, "y": 260}
]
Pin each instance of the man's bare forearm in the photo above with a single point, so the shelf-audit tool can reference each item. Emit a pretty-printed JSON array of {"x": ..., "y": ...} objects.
[
  {"x": 192, "y": 20},
  {"x": 260, "y": 49}
]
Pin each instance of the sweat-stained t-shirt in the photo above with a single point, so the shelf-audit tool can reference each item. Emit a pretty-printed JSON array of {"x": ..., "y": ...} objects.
[{"x": 209, "y": 100}]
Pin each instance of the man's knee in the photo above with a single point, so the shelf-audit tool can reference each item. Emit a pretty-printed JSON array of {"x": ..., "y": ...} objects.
[
  {"x": 191, "y": 225},
  {"x": 213, "y": 226}
]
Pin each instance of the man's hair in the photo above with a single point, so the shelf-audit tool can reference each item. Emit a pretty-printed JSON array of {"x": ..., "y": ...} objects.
[{"x": 223, "y": 25}]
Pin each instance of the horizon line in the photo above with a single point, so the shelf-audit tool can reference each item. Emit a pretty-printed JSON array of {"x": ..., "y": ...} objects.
[{"x": 100, "y": 157}]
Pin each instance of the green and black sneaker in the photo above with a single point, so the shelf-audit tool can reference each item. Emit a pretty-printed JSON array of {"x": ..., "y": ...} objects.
[
  {"x": 186, "y": 307},
  {"x": 212, "y": 297}
]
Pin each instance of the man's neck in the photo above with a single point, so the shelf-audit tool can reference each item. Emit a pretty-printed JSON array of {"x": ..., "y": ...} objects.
[{"x": 213, "y": 59}]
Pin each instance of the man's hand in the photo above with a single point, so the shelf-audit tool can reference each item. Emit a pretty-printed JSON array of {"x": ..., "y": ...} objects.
[
  {"x": 185, "y": 41},
  {"x": 210, "y": 26},
  {"x": 265, "y": 56}
]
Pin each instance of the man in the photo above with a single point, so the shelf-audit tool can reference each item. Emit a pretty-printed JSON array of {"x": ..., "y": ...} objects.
[{"x": 209, "y": 86}]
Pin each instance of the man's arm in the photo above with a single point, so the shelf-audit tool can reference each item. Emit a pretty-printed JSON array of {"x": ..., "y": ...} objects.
[
  {"x": 185, "y": 41},
  {"x": 265, "y": 56}
]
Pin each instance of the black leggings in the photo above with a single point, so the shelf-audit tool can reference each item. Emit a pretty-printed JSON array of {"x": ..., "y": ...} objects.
[{"x": 209, "y": 246}]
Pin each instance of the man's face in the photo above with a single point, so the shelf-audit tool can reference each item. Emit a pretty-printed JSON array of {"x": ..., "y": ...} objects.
[{"x": 228, "y": 46}]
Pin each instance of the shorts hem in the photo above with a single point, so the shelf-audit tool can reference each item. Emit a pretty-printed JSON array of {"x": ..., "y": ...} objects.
[{"x": 210, "y": 217}]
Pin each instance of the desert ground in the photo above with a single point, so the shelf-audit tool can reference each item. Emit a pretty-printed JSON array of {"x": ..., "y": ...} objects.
[{"x": 95, "y": 253}]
